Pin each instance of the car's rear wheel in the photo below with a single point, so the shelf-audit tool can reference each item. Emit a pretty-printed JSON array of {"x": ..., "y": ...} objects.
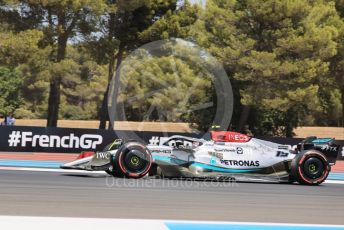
[
  {"x": 132, "y": 160},
  {"x": 310, "y": 167}
]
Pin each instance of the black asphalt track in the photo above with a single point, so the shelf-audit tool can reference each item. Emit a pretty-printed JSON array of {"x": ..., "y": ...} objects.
[{"x": 78, "y": 195}]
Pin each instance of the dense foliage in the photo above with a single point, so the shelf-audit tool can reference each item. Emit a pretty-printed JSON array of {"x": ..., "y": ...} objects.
[{"x": 285, "y": 60}]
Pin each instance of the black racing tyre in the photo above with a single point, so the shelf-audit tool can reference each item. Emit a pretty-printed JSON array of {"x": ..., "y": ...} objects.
[
  {"x": 133, "y": 160},
  {"x": 310, "y": 167}
]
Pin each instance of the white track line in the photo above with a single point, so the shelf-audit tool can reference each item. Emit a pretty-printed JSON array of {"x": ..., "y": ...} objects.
[
  {"x": 58, "y": 223},
  {"x": 334, "y": 182},
  {"x": 51, "y": 170}
]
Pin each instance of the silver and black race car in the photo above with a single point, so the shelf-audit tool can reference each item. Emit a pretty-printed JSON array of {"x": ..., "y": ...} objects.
[{"x": 225, "y": 155}]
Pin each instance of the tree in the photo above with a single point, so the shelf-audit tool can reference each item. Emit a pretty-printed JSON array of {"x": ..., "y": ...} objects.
[
  {"x": 170, "y": 86},
  {"x": 218, "y": 30},
  {"x": 17, "y": 49},
  {"x": 10, "y": 83},
  {"x": 82, "y": 93},
  {"x": 337, "y": 69},
  {"x": 60, "y": 21},
  {"x": 134, "y": 16},
  {"x": 289, "y": 63},
  {"x": 284, "y": 58},
  {"x": 184, "y": 23},
  {"x": 277, "y": 54},
  {"x": 174, "y": 24}
]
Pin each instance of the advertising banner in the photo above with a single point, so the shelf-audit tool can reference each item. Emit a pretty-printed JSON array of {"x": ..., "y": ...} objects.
[{"x": 68, "y": 140}]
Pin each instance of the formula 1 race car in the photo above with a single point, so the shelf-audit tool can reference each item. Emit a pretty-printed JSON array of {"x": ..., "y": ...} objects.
[{"x": 225, "y": 155}]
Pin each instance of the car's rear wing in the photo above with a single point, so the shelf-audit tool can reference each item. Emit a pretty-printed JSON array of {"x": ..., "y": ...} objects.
[{"x": 327, "y": 146}]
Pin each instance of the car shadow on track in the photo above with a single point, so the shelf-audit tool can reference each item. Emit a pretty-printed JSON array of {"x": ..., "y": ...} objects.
[
  {"x": 84, "y": 175},
  {"x": 176, "y": 179}
]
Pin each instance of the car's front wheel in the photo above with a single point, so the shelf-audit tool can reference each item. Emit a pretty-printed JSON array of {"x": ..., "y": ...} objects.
[{"x": 132, "y": 160}]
